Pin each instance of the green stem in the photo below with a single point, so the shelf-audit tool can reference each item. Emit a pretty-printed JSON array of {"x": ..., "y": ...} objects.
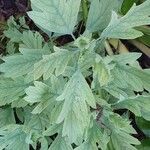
[{"x": 85, "y": 9}]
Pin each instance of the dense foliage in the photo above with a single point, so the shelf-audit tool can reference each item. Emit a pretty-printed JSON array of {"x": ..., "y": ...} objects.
[{"x": 85, "y": 94}]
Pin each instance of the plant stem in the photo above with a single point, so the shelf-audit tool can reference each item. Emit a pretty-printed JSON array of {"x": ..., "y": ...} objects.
[
  {"x": 108, "y": 48},
  {"x": 142, "y": 47},
  {"x": 85, "y": 9}
]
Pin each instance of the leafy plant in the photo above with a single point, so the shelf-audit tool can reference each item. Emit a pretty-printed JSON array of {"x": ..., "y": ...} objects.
[{"x": 80, "y": 95}]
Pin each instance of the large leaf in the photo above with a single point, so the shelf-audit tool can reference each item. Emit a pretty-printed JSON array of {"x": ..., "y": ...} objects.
[
  {"x": 13, "y": 137},
  {"x": 123, "y": 27},
  {"x": 77, "y": 95},
  {"x": 58, "y": 16},
  {"x": 100, "y": 14}
]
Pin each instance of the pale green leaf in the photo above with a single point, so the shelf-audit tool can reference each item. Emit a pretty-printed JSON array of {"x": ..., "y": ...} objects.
[
  {"x": 60, "y": 143},
  {"x": 56, "y": 61},
  {"x": 53, "y": 129},
  {"x": 100, "y": 14},
  {"x": 41, "y": 94},
  {"x": 58, "y": 16},
  {"x": 35, "y": 123},
  {"x": 76, "y": 94},
  {"x": 13, "y": 137},
  {"x": 123, "y": 28},
  {"x": 102, "y": 72},
  {"x": 6, "y": 116},
  {"x": 121, "y": 131},
  {"x": 97, "y": 138},
  {"x": 139, "y": 105},
  {"x": 31, "y": 50},
  {"x": 11, "y": 90}
]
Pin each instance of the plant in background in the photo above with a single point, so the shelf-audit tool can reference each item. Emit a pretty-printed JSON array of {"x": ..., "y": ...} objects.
[{"x": 81, "y": 95}]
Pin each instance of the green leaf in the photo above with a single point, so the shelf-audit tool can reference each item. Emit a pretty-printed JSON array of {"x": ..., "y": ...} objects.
[
  {"x": 100, "y": 14},
  {"x": 35, "y": 123},
  {"x": 126, "y": 58},
  {"x": 53, "y": 129},
  {"x": 39, "y": 94},
  {"x": 143, "y": 125},
  {"x": 122, "y": 28},
  {"x": 127, "y": 77},
  {"x": 145, "y": 145},
  {"x": 76, "y": 94},
  {"x": 96, "y": 138},
  {"x": 126, "y": 5},
  {"x": 11, "y": 90},
  {"x": 102, "y": 71},
  {"x": 56, "y": 61},
  {"x": 31, "y": 52},
  {"x": 139, "y": 105},
  {"x": 6, "y": 117},
  {"x": 60, "y": 143},
  {"x": 120, "y": 132},
  {"x": 13, "y": 32},
  {"x": 13, "y": 137},
  {"x": 58, "y": 16}
]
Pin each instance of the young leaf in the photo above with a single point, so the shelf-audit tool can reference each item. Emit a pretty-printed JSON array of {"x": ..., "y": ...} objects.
[
  {"x": 122, "y": 28},
  {"x": 76, "y": 94},
  {"x": 139, "y": 105},
  {"x": 13, "y": 137},
  {"x": 102, "y": 14},
  {"x": 58, "y": 16},
  {"x": 57, "y": 61}
]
